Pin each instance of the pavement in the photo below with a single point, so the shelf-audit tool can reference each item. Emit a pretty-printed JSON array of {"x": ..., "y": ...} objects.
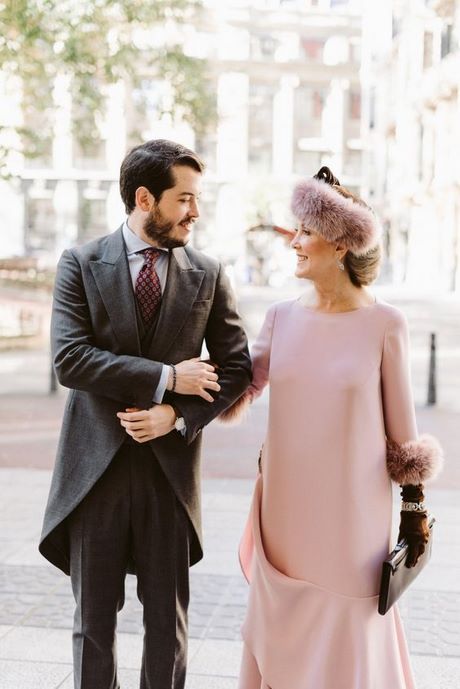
[{"x": 36, "y": 605}]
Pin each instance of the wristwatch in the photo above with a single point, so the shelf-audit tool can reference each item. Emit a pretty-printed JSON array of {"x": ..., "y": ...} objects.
[{"x": 179, "y": 423}]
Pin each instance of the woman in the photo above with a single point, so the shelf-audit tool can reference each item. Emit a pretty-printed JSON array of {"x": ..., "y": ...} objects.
[{"x": 341, "y": 424}]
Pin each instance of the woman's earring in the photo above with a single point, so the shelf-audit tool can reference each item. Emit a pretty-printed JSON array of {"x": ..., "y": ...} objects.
[{"x": 340, "y": 264}]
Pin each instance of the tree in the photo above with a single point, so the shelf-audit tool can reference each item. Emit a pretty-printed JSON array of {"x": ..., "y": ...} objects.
[{"x": 95, "y": 43}]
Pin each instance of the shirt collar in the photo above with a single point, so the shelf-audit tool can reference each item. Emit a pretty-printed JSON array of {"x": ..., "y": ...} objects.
[{"x": 133, "y": 243}]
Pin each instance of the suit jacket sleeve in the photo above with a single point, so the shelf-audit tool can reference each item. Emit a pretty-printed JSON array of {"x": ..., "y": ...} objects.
[
  {"x": 78, "y": 362},
  {"x": 228, "y": 348}
]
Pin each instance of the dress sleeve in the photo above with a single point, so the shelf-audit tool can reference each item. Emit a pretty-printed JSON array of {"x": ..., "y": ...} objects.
[
  {"x": 260, "y": 356},
  {"x": 410, "y": 459}
]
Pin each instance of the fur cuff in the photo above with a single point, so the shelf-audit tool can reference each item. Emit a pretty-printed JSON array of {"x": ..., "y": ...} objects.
[
  {"x": 237, "y": 411},
  {"x": 414, "y": 462},
  {"x": 334, "y": 217}
]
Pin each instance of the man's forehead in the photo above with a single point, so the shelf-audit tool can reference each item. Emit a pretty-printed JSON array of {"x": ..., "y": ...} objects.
[{"x": 187, "y": 180}]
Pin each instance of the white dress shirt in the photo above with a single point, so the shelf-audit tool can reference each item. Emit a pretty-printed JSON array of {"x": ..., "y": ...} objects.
[{"x": 134, "y": 245}]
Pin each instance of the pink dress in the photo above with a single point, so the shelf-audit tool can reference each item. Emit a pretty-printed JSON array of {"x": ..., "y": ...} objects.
[{"x": 320, "y": 520}]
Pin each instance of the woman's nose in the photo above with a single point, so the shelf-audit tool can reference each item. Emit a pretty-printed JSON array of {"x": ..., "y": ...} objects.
[{"x": 294, "y": 243}]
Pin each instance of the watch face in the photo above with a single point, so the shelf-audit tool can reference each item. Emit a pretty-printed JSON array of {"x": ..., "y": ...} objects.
[{"x": 180, "y": 424}]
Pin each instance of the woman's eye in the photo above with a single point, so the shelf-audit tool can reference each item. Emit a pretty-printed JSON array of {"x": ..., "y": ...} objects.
[{"x": 307, "y": 232}]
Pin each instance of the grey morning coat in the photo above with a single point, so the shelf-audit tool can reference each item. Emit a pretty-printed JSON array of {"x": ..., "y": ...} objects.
[{"x": 97, "y": 354}]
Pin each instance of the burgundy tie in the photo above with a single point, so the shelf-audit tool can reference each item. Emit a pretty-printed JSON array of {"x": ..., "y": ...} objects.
[{"x": 148, "y": 288}]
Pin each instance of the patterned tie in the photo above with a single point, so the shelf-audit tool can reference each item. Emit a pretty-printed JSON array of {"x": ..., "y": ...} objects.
[{"x": 148, "y": 288}]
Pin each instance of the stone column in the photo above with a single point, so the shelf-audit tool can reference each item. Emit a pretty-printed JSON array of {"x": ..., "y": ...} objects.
[
  {"x": 63, "y": 138},
  {"x": 283, "y": 126},
  {"x": 232, "y": 129},
  {"x": 333, "y": 123},
  {"x": 231, "y": 163},
  {"x": 115, "y": 128}
]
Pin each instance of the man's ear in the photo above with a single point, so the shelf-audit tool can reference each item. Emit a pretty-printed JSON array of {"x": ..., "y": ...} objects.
[{"x": 144, "y": 199}]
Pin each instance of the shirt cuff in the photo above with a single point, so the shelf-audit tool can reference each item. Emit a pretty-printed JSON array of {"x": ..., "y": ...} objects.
[{"x": 162, "y": 383}]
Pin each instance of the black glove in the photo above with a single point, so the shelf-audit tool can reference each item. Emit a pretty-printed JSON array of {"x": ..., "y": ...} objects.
[{"x": 413, "y": 525}]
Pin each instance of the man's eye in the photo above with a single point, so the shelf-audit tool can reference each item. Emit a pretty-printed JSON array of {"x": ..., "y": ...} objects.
[{"x": 304, "y": 231}]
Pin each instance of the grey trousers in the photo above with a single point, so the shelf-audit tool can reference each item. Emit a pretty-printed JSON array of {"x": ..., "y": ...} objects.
[{"x": 131, "y": 513}]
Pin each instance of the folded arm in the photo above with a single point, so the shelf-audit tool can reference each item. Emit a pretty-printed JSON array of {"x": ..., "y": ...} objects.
[{"x": 226, "y": 343}]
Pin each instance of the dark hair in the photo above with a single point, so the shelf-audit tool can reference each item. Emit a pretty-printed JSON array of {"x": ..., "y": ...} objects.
[
  {"x": 150, "y": 165},
  {"x": 364, "y": 269},
  {"x": 325, "y": 175}
]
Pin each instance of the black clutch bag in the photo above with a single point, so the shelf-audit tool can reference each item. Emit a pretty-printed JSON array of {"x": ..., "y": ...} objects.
[{"x": 396, "y": 577}]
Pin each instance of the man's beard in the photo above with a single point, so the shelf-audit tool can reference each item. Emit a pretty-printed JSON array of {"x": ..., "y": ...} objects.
[{"x": 159, "y": 230}]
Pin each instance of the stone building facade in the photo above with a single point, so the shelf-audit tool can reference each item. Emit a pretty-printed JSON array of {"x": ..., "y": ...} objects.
[
  {"x": 286, "y": 76},
  {"x": 411, "y": 165}
]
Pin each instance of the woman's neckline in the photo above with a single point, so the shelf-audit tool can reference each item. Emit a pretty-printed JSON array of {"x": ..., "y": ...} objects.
[{"x": 336, "y": 313}]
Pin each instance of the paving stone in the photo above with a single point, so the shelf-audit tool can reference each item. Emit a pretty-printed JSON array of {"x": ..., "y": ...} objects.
[
  {"x": 210, "y": 682},
  {"x": 28, "y": 675},
  {"x": 436, "y": 673},
  {"x": 216, "y": 657},
  {"x": 42, "y": 597}
]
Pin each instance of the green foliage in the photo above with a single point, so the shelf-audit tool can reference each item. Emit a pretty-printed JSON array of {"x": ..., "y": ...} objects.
[{"x": 96, "y": 43}]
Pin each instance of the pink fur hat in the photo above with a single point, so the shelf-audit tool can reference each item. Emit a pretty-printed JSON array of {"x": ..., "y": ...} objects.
[{"x": 336, "y": 218}]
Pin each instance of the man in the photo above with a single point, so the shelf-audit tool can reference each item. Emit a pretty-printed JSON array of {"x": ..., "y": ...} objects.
[{"x": 131, "y": 312}]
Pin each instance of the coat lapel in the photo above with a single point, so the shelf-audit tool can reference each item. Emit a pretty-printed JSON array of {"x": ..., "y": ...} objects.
[
  {"x": 113, "y": 280},
  {"x": 182, "y": 286}
]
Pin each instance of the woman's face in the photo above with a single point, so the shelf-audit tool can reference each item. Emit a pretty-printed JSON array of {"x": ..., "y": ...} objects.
[{"x": 316, "y": 258}]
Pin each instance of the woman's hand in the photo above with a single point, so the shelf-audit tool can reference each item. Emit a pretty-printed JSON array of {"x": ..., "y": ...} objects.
[
  {"x": 414, "y": 528},
  {"x": 195, "y": 377},
  {"x": 414, "y": 525}
]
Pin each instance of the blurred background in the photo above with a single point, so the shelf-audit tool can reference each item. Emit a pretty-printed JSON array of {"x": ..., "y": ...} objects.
[{"x": 266, "y": 91}]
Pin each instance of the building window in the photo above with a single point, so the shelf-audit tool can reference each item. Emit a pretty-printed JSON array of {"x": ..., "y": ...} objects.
[
  {"x": 312, "y": 49},
  {"x": 427, "y": 49},
  {"x": 91, "y": 156},
  {"x": 308, "y": 111},
  {"x": 147, "y": 102},
  {"x": 263, "y": 46},
  {"x": 40, "y": 229},
  {"x": 352, "y": 163},
  {"x": 355, "y": 50},
  {"x": 307, "y": 162},
  {"x": 421, "y": 136},
  {"x": 372, "y": 108},
  {"x": 355, "y": 105},
  {"x": 260, "y": 124},
  {"x": 93, "y": 219},
  {"x": 40, "y": 156},
  {"x": 395, "y": 26},
  {"x": 446, "y": 40},
  {"x": 317, "y": 104}
]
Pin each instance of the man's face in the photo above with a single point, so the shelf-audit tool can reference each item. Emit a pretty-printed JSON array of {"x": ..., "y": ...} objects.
[{"x": 169, "y": 222}]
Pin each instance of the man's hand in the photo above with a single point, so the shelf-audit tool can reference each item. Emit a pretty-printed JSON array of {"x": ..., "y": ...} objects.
[
  {"x": 195, "y": 377},
  {"x": 148, "y": 424}
]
